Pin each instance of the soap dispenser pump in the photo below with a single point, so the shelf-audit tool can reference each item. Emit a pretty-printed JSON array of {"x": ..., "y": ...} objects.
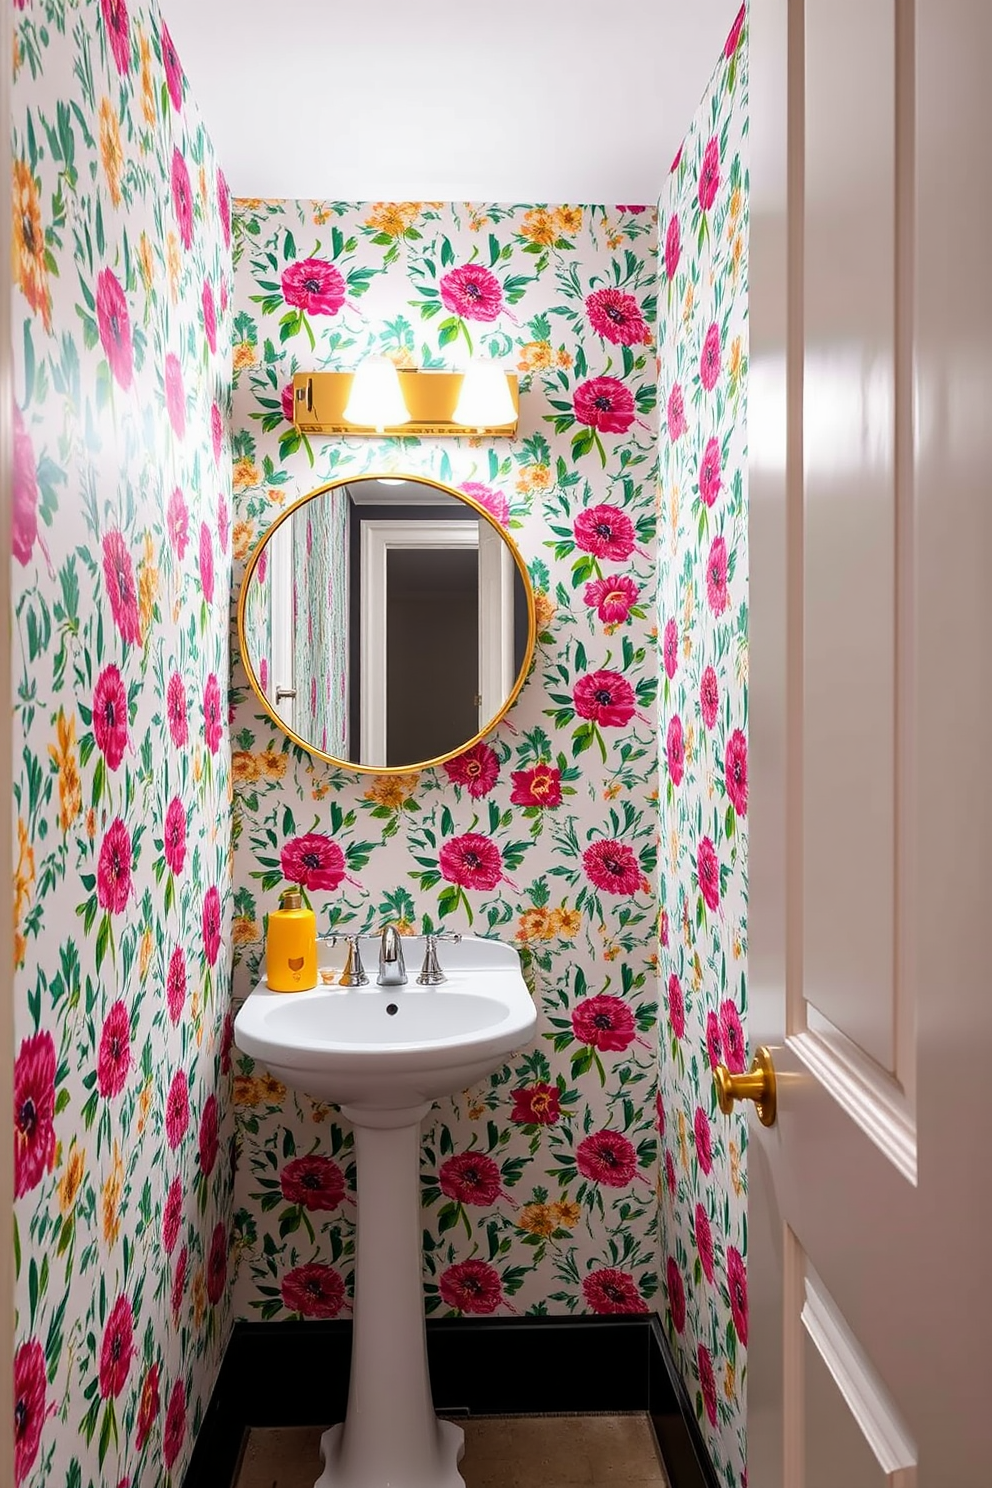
[{"x": 291, "y": 945}]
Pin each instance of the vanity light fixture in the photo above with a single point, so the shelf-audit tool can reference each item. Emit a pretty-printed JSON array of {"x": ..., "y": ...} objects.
[
  {"x": 484, "y": 400},
  {"x": 380, "y": 399},
  {"x": 376, "y": 399}
]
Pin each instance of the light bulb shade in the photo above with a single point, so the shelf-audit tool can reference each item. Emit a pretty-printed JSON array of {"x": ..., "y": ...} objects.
[
  {"x": 376, "y": 400},
  {"x": 484, "y": 401}
]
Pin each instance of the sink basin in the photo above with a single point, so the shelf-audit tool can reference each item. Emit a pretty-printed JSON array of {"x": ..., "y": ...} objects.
[{"x": 390, "y": 1048}]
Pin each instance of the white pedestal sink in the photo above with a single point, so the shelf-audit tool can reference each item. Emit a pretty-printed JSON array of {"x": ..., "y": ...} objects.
[{"x": 384, "y": 1055}]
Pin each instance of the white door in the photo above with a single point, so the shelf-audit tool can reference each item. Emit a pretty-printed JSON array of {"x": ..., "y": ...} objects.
[
  {"x": 496, "y": 669},
  {"x": 870, "y": 427}
]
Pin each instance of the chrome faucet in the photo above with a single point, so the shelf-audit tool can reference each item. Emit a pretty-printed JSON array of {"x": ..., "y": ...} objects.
[{"x": 392, "y": 967}]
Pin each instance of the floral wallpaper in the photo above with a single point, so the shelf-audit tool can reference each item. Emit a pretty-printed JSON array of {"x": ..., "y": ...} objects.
[
  {"x": 320, "y": 611},
  {"x": 121, "y": 571},
  {"x": 702, "y": 615},
  {"x": 539, "y": 1186}
]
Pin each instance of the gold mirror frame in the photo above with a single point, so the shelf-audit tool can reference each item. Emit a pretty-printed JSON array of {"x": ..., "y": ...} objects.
[{"x": 525, "y": 665}]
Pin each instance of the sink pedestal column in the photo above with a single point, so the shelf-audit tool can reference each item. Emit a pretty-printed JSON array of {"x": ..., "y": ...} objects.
[{"x": 391, "y": 1437}]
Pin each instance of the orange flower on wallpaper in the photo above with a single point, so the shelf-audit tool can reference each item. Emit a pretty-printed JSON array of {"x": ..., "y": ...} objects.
[{"x": 30, "y": 262}]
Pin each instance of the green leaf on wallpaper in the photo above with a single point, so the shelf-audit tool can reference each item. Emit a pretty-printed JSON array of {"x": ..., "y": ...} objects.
[
  {"x": 494, "y": 250},
  {"x": 448, "y": 901},
  {"x": 447, "y": 822},
  {"x": 493, "y": 817},
  {"x": 447, "y": 254},
  {"x": 730, "y": 821},
  {"x": 448, "y": 330},
  {"x": 108, "y": 1430},
  {"x": 582, "y": 442}
]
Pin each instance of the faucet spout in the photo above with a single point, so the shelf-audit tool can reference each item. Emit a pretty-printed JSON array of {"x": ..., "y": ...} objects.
[{"x": 392, "y": 967}]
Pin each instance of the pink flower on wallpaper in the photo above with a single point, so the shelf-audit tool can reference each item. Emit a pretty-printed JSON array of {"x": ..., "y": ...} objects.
[
  {"x": 174, "y": 836},
  {"x": 209, "y": 317},
  {"x": 110, "y": 716},
  {"x": 709, "y": 697},
  {"x": 34, "y": 1112},
  {"x": 223, "y": 522},
  {"x": 175, "y": 395},
  {"x": 675, "y": 750},
  {"x": 604, "y": 1022},
  {"x": 714, "y": 1039},
  {"x": 617, "y": 317},
  {"x": 709, "y": 175},
  {"x": 472, "y": 1287},
  {"x": 118, "y": 573},
  {"x": 117, "y": 1350},
  {"x": 213, "y": 714},
  {"x": 608, "y": 1158},
  {"x": 704, "y": 1148},
  {"x": 172, "y": 1213},
  {"x": 540, "y": 786},
  {"x": 612, "y": 598},
  {"x": 471, "y": 292},
  {"x": 113, "y": 873},
  {"x": 670, "y": 648},
  {"x": 314, "y": 1181},
  {"x": 604, "y": 404},
  {"x": 313, "y": 1290},
  {"x": 659, "y": 1113},
  {"x": 710, "y": 358},
  {"x": 677, "y": 161},
  {"x": 536, "y": 1105},
  {"x": 179, "y": 1283},
  {"x": 174, "y": 1433},
  {"x": 708, "y": 873},
  {"x": 24, "y": 530},
  {"x": 673, "y": 246},
  {"x": 610, "y": 1291},
  {"x": 114, "y": 1056},
  {"x": 732, "y": 1037},
  {"x": 676, "y": 413},
  {"x": 182, "y": 197},
  {"x": 709, "y": 472},
  {"x": 217, "y": 1264},
  {"x": 206, "y": 563},
  {"x": 118, "y": 33},
  {"x": 472, "y": 861},
  {"x": 114, "y": 326},
  {"x": 606, "y": 698},
  {"x": 716, "y": 576},
  {"x": 664, "y": 927},
  {"x": 30, "y": 1408},
  {"x": 177, "y": 710},
  {"x": 613, "y": 867},
  {"x": 676, "y": 1293},
  {"x": 211, "y": 924},
  {"x": 470, "y": 1178},
  {"x": 173, "y": 69},
  {"x": 208, "y": 1142},
  {"x": 704, "y": 1241},
  {"x": 734, "y": 36},
  {"x": 313, "y": 861},
  {"x": 177, "y": 1109},
  {"x": 707, "y": 1382},
  {"x": 671, "y": 1182},
  {"x": 175, "y": 985},
  {"x": 737, "y": 1284},
  {"x": 216, "y": 431},
  {"x": 494, "y": 502},
  {"x": 477, "y": 770},
  {"x": 605, "y": 532},
  {"x": 224, "y": 205},
  {"x": 149, "y": 1404},
  {"x": 676, "y": 1006},
  {"x": 286, "y": 402},
  {"x": 735, "y": 771},
  {"x": 313, "y": 285},
  {"x": 177, "y": 522}
]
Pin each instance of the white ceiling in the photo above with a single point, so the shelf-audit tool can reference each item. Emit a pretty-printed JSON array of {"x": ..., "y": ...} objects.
[{"x": 414, "y": 100}]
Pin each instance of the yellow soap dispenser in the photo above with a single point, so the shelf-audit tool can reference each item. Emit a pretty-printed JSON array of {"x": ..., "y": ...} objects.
[{"x": 291, "y": 945}]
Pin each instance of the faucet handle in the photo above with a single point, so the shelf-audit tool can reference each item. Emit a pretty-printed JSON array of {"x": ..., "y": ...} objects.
[
  {"x": 354, "y": 974},
  {"x": 431, "y": 974}
]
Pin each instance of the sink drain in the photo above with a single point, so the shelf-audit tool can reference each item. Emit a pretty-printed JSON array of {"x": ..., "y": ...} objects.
[{"x": 391, "y": 1008}]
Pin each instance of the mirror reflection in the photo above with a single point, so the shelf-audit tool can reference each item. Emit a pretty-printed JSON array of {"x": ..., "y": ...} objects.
[{"x": 386, "y": 622}]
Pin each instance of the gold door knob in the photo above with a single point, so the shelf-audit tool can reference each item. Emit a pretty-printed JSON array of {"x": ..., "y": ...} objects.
[{"x": 758, "y": 1085}]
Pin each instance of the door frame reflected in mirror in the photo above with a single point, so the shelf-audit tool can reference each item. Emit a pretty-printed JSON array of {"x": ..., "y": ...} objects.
[{"x": 496, "y": 640}]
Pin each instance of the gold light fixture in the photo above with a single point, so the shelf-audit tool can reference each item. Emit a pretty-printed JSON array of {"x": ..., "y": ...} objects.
[{"x": 401, "y": 403}]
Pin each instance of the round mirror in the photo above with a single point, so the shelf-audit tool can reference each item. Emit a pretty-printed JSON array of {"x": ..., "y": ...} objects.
[{"x": 387, "y": 623}]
